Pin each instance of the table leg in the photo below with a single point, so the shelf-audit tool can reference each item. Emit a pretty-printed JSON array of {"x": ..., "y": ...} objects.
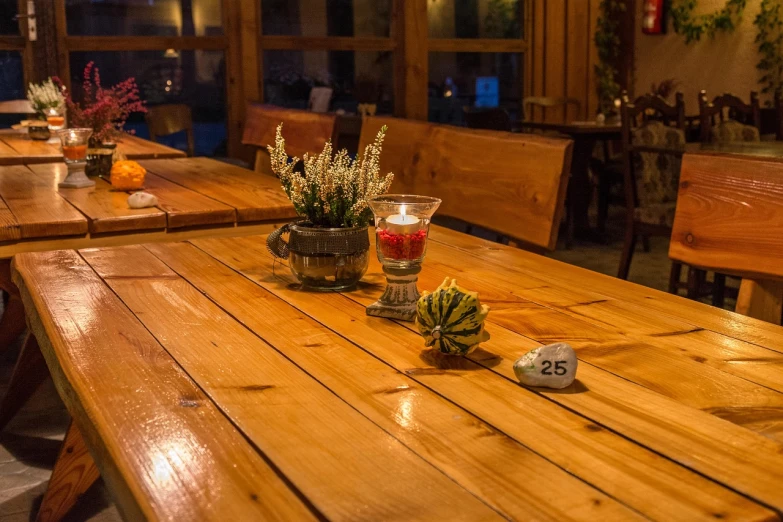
[
  {"x": 29, "y": 373},
  {"x": 12, "y": 323},
  {"x": 580, "y": 190},
  {"x": 73, "y": 474}
]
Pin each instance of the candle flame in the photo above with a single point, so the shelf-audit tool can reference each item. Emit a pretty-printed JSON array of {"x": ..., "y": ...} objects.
[{"x": 402, "y": 212}]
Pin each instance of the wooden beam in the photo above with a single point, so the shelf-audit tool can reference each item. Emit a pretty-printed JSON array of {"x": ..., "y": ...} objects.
[
  {"x": 477, "y": 45},
  {"x": 411, "y": 61},
  {"x": 63, "y": 56},
  {"x": 12, "y": 43},
  {"x": 235, "y": 98},
  {"x": 327, "y": 43},
  {"x": 144, "y": 43}
]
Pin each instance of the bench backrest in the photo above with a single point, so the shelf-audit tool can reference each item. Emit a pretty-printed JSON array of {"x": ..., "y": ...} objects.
[{"x": 510, "y": 183}]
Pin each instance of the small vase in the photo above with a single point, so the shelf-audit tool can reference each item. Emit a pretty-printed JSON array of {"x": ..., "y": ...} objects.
[
  {"x": 100, "y": 158},
  {"x": 326, "y": 259}
]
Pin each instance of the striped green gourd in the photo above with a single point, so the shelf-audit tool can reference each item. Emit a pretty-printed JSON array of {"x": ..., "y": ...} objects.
[{"x": 451, "y": 319}]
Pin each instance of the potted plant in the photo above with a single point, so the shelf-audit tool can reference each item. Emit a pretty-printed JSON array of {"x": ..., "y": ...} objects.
[
  {"x": 46, "y": 97},
  {"x": 105, "y": 111},
  {"x": 328, "y": 249}
]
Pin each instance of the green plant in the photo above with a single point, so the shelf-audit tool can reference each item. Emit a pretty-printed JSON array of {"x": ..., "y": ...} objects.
[
  {"x": 607, "y": 42},
  {"x": 770, "y": 42},
  {"x": 693, "y": 27}
]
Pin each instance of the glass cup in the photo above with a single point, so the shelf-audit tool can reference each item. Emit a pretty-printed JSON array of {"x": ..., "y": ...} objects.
[
  {"x": 402, "y": 224},
  {"x": 55, "y": 117},
  {"x": 74, "y": 144}
]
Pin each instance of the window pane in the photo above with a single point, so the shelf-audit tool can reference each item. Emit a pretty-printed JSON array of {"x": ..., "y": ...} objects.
[
  {"x": 474, "y": 80},
  {"x": 355, "y": 77},
  {"x": 9, "y": 9},
  {"x": 326, "y": 17},
  {"x": 475, "y": 18},
  {"x": 11, "y": 76},
  {"x": 144, "y": 17},
  {"x": 195, "y": 78}
]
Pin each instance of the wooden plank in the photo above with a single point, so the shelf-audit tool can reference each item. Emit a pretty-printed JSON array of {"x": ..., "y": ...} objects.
[
  {"x": 645, "y": 481},
  {"x": 477, "y": 45},
  {"x": 334, "y": 455},
  {"x": 32, "y": 151},
  {"x": 155, "y": 436},
  {"x": 494, "y": 468},
  {"x": 144, "y": 43},
  {"x": 539, "y": 56},
  {"x": 73, "y": 474},
  {"x": 577, "y": 77},
  {"x": 135, "y": 148},
  {"x": 327, "y": 43},
  {"x": 8, "y": 250},
  {"x": 106, "y": 210},
  {"x": 304, "y": 131},
  {"x": 184, "y": 207},
  {"x": 412, "y": 66},
  {"x": 729, "y": 216},
  {"x": 38, "y": 209},
  {"x": 8, "y": 155},
  {"x": 555, "y": 80},
  {"x": 592, "y": 60},
  {"x": 9, "y": 227},
  {"x": 255, "y": 198},
  {"x": 761, "y": 299}
]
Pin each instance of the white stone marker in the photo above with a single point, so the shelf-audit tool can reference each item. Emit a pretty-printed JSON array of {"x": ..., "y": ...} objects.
[
  {"x": 551, "y": 366},
  {"x": 142, "y": 200}
]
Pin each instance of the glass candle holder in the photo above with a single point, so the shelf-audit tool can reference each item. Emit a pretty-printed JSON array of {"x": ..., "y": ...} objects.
[
  {"x": 55, "y": 117},
  {"x": 402, "y": 224},
  {"x": 74, "y": 145}
]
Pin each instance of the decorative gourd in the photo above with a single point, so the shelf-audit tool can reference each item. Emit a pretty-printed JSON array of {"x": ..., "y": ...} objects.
[
  {"x": 451, "y": 319},
  {"x": 127, "y": 175}
]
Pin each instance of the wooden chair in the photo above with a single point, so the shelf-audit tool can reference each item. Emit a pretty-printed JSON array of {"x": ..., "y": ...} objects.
[
  {"x": 304, "y": 131},
  {"x": 163, "y": 120},
  {"x": 544, "y": 102},
  {"x": 730, "y": 219},
  {"x": 488, "y": 119},
  {"x": 16, "y": 107},
  {"x": 778, "y": 103},
  {"x": 727, "y": 118},
  {"x": 510, "y": 183},
  {"x": 653, "y": 141}
]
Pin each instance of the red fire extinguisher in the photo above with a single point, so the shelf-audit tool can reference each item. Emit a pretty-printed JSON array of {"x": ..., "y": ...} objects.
[{"x": 653, "y": 20}]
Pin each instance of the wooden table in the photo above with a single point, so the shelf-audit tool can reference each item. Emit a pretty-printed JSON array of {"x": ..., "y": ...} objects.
[
  {"x": 770, "y": 149},
  {"x": 197, "y": 197},
  {"x": 585, "y": 134},
  {"x": 16, "y": 148},
  {"x": 204, "y": 385}
]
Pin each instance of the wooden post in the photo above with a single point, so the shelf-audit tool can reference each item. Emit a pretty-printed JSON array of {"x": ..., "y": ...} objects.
[{"x": 411, "y": 59}]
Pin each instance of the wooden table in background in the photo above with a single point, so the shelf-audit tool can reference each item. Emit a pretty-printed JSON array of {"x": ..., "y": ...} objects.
[
  {"x": 197, "y": 197},
  {"x": 768, "y": 149},
  {"x": 585, "y": 134},
  {"x": 206, "y": 386},
  {"x": 16, "y": 148}
]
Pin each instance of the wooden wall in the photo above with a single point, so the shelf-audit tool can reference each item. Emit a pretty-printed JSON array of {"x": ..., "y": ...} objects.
[{"x": 562, "y": 55}]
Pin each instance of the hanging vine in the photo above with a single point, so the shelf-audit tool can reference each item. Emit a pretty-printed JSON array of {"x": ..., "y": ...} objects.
[
  {"x": 693, "y": 27},
  {"x": 607, "y": 42},
  {"x": 769, "y": 38}
]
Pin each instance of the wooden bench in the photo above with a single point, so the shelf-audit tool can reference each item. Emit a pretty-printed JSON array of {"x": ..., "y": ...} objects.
[
  {"x": 729, "y": 218},
  {"x": 513, "y": 184},
  {"x": 304, "y": 131}
]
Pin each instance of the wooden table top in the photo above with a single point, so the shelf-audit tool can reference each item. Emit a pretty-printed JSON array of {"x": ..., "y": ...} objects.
[
  {"x": 209, "y": 387},
  {"x": 578, "y": 128},
  {"x": 769, "y": 149},
  {"x": 16, "y": 148},
  {"x": 195, "y": 196}
]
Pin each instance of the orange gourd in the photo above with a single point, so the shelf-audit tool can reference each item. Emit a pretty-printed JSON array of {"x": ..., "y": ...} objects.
[{"x": 127, "y": 175}]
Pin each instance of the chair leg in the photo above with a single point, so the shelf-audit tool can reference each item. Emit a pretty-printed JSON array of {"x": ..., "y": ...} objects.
[
  {"x": 674, "y": 277},
  {"x": 627, "y": 255},
  {"x": 718, "y": 290},
  {"x": 12, "y": 323},
  {"x": 29, "y": 373},
  {"x": 695, "y": 282},
  {"x": 73, "y": 474},
  {"x": 646, "y": 243}
]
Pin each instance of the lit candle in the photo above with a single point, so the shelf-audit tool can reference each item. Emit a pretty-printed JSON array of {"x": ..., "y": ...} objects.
[{"x": 401, "y": 223}]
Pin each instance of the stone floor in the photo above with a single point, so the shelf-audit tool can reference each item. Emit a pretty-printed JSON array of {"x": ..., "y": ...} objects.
[{"x": 29, "y": 445}]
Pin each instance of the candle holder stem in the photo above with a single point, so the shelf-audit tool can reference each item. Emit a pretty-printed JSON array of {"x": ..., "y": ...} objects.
[
  {"x": 401, "y": 295},
  {"x": 76, "y": 177}
]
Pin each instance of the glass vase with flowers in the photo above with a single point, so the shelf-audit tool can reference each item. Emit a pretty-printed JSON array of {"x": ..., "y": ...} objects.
[
  {"x": 328, "y": 249},
  {"x": 104, "y": 110},
  {"x": 48, "y": 102}
]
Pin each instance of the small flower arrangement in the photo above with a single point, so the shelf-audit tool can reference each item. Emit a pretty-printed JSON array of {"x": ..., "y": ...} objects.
[
  {"x": 45, "y": 96},
  {"x": 104, "y": 110},
  {"x": 332, "y": 192}
]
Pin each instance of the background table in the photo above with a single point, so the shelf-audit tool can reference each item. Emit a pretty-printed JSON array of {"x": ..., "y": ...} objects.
[
  {"x": 16, "y": 148},
  {"x": 770, "y": 149},
  {"x": 197, "y": 197},
  {"x": 207, "y": 386}
]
